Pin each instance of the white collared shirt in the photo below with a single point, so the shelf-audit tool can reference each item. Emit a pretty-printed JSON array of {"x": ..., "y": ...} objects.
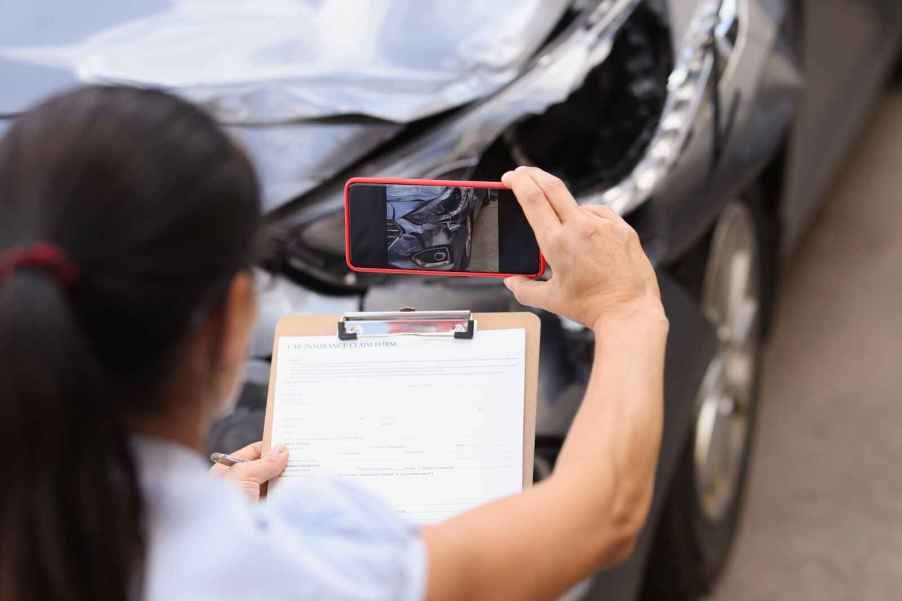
[{"x": 324, "y": 539}]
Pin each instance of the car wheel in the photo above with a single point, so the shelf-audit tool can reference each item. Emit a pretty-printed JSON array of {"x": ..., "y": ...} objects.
[{"x": 699, "y": 522}]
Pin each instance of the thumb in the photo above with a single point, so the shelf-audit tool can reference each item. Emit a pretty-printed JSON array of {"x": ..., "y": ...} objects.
[
  {"x": 527, "y": 292},
  {"x": 264, "y": 469}
]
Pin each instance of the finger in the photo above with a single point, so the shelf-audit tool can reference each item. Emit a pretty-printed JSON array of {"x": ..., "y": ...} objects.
[
  {"x": 526, "y": 291},
  {"x": 219, "y": 469},
  {"x": 555, "y": 191},
  {"x": 539, "y": 213},
  {"x": 250, "y": 452},
  {"x": 263, "y": 469}
]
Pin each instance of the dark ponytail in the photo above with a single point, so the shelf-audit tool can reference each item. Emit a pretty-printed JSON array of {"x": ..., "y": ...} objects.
[
  {"x": 70, "y": 492},
  {"x": 158, "y": 211}
]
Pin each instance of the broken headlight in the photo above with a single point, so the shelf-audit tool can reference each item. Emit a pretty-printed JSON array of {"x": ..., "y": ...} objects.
[{"x": 446, "y": 208}]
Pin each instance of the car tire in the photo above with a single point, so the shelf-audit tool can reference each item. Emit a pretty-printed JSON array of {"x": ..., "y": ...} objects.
[{"x": 697, "y": 527}]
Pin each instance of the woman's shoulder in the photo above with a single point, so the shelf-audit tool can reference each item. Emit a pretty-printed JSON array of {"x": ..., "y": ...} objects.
[{"x": 318, "y": 538}]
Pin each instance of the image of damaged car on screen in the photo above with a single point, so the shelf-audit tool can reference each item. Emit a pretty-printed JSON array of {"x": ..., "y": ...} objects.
[
  {"x": 433, "y": 227},
  {"x": 707, "y": 124}
]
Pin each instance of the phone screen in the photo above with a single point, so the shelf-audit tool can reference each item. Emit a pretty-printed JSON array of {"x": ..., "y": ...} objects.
[{"x": 439, "y": 228}]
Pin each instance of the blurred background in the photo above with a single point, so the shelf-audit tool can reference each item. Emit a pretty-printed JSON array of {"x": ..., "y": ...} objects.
[{"x": 755, "y": 145}]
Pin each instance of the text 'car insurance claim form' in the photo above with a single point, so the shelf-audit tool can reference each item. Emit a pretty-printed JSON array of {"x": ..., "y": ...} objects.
[{"x": 433, "y": 425}]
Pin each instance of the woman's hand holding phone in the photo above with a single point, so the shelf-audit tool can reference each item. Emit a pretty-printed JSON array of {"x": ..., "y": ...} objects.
[
  {"x": 589, "y": 512},
  {"x": 599, "y": 270}
]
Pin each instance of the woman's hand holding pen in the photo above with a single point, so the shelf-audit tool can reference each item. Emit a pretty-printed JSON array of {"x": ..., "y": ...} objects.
[{"x": 254, "y": 468}]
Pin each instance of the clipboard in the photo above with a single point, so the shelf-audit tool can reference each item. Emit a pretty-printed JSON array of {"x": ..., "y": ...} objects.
[{"x": 455, "y": 325}]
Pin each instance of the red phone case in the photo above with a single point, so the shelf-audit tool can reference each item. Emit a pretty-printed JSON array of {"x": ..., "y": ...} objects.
[{"x": 423, "y": 182}]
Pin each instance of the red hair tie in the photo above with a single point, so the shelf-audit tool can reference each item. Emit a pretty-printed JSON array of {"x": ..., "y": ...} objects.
[{"x": 40, "y": 255}]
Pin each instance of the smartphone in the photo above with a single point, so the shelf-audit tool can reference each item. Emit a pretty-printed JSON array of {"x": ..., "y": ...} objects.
[{"x": 438, "y": 227}]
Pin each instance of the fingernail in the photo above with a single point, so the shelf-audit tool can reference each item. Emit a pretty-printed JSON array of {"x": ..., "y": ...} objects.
[
  {"x": 506, "y": 174},
  {"x": 521, "y": 168}
]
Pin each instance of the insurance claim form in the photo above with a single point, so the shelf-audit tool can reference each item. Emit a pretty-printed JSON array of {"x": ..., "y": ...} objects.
[{"x": 433, "y": 424}]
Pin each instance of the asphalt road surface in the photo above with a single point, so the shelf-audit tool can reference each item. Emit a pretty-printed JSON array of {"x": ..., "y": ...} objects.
[
  {"x": 823, "y": 519},
  {"x": 485, "y": 240}
]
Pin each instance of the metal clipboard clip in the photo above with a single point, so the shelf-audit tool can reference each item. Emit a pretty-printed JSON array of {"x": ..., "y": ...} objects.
[{"x": 456, "y": 324}]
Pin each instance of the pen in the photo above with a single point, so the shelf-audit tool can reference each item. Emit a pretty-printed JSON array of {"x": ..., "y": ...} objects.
[{"x": 225, "y": 459}]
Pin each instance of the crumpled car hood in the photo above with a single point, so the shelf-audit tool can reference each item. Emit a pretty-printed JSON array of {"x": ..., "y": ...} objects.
[
  {"x": 276, "y": 71},
  {"x": 273, "y": 61},
  {"x": 293, "y": 159}
]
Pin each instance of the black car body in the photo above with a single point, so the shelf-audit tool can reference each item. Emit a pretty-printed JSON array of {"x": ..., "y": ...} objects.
[
  {"x": 714, "y": 126},
  {"x": 431, "y": 227}
]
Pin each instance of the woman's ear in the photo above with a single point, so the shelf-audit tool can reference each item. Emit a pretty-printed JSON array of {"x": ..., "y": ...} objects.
[{"x": 239, "y": 316}]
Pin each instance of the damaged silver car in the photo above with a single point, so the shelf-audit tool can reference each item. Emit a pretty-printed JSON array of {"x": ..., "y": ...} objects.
[{"x": 686, "y": 116}]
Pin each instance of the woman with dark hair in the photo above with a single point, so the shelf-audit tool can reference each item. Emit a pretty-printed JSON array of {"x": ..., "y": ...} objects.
[{"x": 129, "y": 224}]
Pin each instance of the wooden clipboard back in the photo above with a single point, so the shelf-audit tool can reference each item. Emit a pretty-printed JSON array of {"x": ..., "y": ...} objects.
[{"x": 326, "y": 325}]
